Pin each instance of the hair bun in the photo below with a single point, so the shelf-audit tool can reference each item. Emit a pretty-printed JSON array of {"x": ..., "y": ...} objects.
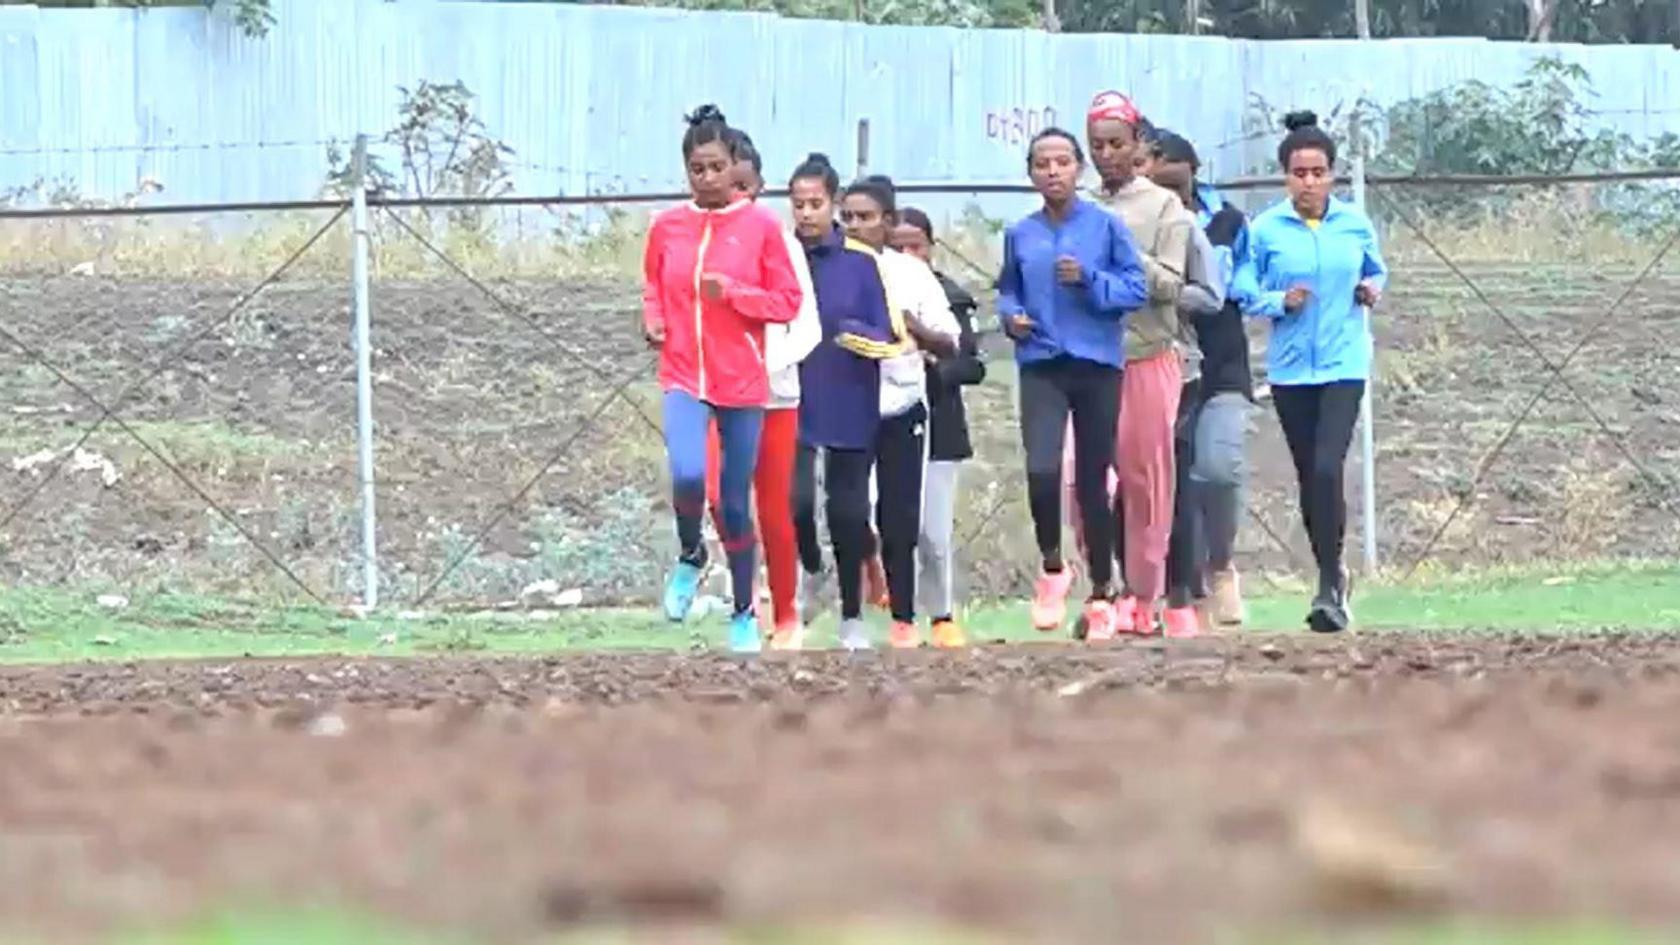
[
  {"x": 817, "y": 157},
  {"x": 1295, "y": 121},
  {"x": 705, "y": 114}
]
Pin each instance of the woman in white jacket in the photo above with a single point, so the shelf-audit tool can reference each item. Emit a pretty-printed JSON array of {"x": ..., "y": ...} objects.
[{"x": 785, "y": 346}]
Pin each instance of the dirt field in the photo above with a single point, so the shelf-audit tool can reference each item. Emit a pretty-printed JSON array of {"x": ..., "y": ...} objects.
[
  {"x": 1148, "y": 792},
  {"x": 473, "y": 404}
]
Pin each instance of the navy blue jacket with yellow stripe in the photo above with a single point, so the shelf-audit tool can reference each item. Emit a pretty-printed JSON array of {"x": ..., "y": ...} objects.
[{"x": 840, "y": 381}]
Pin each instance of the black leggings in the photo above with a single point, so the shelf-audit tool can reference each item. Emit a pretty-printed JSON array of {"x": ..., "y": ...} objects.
[
  {"x": 846, "y": 481},
  {"x": 1184, "y": 554},
  {"x": 899, "y": 461},
  {"x": 1317, "y": 421},
  {"x": 1050, "y": 391}
]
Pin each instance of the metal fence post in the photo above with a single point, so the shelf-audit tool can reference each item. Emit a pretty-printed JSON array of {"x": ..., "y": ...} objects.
[
  {"x": 364, "y": 373},
  {"x": 862, "y": 147},
  {"x": 1367, "y": 436}
]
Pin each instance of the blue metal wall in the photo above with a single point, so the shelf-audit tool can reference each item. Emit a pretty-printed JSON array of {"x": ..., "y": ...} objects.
[{"x": 591, "y": 97}]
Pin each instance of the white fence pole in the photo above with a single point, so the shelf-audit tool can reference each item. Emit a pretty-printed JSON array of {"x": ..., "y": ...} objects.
[
  {"x": 1367, "y": 436},
  {"x": 364, "y": 373}
]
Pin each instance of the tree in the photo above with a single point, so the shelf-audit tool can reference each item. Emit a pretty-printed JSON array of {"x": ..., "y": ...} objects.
[
  {"x": 254, "y": 17},
  {"x": 1574, "y": 21},
  {"x": 1540, "y": 14}
]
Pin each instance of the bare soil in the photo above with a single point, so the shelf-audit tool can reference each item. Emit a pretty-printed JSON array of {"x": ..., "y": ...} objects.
[{"x": 1146, "y": 792}]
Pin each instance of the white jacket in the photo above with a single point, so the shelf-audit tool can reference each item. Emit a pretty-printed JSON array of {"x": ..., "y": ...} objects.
[
  {"x": 912, "y": 287},
  {"x": 785, "y": 346}
]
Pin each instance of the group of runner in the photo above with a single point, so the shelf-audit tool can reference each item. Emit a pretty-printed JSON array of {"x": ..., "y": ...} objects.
[{"x": 837, "y": 345}]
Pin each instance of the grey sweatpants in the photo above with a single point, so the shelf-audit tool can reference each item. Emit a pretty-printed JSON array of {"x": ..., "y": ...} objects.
[
  {"x": 935, "y": 551},
  {"x": 1219, "y": 472}
]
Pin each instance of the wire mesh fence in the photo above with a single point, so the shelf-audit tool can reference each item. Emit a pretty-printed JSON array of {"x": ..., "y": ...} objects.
[{"x": 180, "y": 409}]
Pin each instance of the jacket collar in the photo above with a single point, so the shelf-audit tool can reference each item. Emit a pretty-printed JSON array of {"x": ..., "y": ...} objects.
[
  {"x": 1077, "y": 206},
  {"x": 735, "y": 206},
  {"x": 832, "y": 242},
  {"x": 1335, "y": 208}
]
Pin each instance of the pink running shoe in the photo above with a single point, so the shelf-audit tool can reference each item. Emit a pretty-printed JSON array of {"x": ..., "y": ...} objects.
[
  {"x": 1181, "y": 623},
  {"x": 1126, "y": 615},
  {"x": 1049, "y": 606},
  {"x": 1099, "y": 621}
]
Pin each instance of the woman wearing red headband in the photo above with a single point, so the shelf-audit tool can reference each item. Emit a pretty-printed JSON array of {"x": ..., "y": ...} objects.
[{"x": 1153, "y": 376}]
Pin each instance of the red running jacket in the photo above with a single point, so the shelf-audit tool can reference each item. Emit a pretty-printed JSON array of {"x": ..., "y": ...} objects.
[{"x": 714, "y": 350}]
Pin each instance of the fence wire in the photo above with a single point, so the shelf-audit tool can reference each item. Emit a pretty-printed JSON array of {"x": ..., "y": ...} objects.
[{"x": 517, "y": 452}]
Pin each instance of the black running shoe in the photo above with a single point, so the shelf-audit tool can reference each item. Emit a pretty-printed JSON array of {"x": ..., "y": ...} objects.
[{"x": 1329, "y": 614}]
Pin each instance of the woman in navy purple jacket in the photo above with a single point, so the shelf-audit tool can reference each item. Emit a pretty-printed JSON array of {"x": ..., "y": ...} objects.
[{"x": 840, "y": 410}]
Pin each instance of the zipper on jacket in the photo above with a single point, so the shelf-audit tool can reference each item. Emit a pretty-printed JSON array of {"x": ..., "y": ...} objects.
[
  {"x": 1318, "y": 279},
  {"x": 1053, "y": 329},
  {"x": 699, "y": 301}
]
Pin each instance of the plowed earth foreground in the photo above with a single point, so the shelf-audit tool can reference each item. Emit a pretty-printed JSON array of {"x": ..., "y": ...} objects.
[{"x": 1146, "y": 793}]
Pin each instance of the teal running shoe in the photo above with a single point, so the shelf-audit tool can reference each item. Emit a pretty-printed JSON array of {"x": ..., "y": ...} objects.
[
  {"x": 743, "y": 633},
  {"x": 680, "y": 590}
]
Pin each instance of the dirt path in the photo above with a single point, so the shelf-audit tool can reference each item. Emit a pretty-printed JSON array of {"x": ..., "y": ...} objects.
[{"x": 1056, "y": 794}]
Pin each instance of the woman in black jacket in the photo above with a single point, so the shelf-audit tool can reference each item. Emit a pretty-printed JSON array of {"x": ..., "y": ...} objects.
[{"x": 948, "y": 443}]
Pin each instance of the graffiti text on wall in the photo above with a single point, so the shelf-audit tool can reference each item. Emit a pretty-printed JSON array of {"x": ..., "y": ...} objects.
[{"x": 1016, "y": 126}]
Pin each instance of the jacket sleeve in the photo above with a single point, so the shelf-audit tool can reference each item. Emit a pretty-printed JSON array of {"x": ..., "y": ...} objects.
[
  {"x": 1239, "y": 254},
  {"x": 1167, "y": 266},
  {"x": 1373, "y": 267},
  {"x": 1204, "y": 284},
  {"x": 1247, "y": 287},
  {"x": 802, "y": 335},
  {"x": 933, "y": 307},
  {"x": 777, "y": 296},
  {"x": 966, "y": 367},
  {"x": 1009, "y": 289},
  {"x": 1118, "y": 285},
  {"x": 869, "y": 333},
  {"x": 653, "y": 313}
]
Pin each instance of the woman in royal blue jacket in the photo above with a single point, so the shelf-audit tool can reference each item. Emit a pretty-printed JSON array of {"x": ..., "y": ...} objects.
[
  {"x": 1070, "y": 274},
  {"x": 1314, "y": 269}
]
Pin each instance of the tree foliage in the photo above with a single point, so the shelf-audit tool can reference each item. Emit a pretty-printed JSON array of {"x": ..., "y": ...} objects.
[
  {"x": 253, "y": 17},
  {"x": 1583, "y": 21},
  {"x": 1542, "y": 125}
]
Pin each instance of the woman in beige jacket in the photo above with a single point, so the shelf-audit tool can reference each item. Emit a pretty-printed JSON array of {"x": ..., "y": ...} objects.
[{"x": 1153, "y": 376}]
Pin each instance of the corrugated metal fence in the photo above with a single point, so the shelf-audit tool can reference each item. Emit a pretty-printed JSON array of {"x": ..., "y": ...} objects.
[{"x": 590, "y": 97}]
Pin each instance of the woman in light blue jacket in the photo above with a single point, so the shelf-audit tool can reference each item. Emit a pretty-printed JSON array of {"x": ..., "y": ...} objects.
[{"x": 1314, "y": 269}]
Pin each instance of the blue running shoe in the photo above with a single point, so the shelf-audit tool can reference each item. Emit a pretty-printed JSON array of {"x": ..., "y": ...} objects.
[
  {"x": 680, "y": 590},
  {"x": 743, "y": 633}
]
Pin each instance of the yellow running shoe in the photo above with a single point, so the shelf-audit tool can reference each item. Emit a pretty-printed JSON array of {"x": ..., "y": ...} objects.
[{"x": 948, "y": 634}]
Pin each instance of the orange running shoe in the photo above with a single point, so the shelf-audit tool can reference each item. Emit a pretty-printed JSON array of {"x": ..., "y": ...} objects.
[
  {"x": 875, "y": 588},
  {"x": 788, "y": 637},
  {"x": 1100, "y": 621},
  {"x": 903, "y": 636},
  {"x": 1049, "y": 606},
  {"x": 1181, "y": 623},
  {"x": 948, "y": 634}
]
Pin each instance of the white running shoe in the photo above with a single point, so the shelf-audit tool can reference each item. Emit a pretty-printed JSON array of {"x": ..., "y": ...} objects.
[
  {"x": 812, "y": 589},
  {"x": 854, "y": 635}
]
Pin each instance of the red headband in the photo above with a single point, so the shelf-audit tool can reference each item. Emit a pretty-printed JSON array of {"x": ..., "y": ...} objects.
[{"x": 1113, "y": 106}]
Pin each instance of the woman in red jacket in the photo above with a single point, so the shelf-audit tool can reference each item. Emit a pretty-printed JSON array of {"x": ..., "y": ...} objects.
[{"x": 716, "y": 271}]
